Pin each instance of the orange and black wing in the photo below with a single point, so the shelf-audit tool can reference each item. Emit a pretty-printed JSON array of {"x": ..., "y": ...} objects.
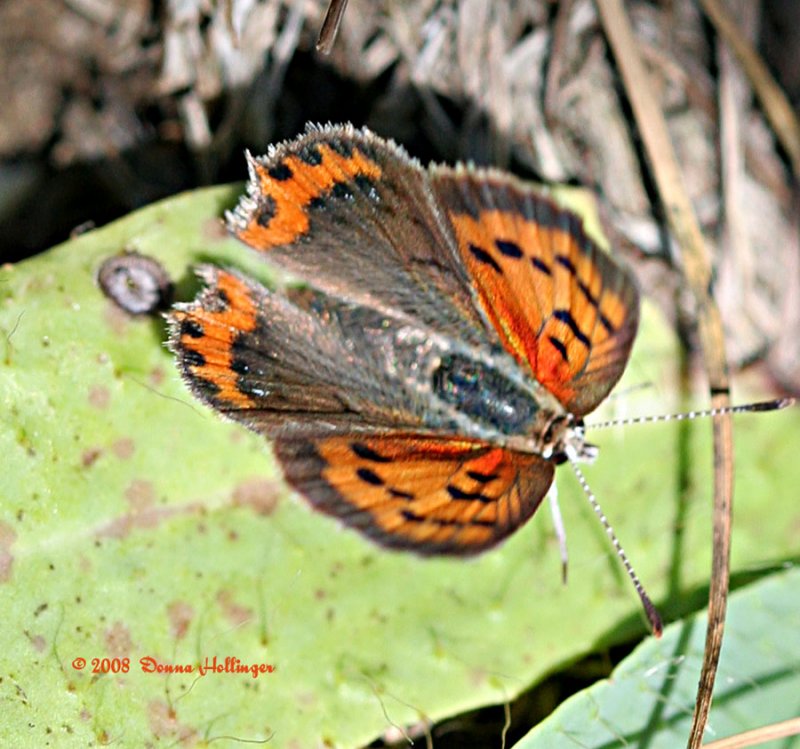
[
  {"x": 354, "y": 216},
  {"x": 560, "y": 305},
  {"x": 349, "y": 437},
  {"x": 417, "y": 491},
  {"x": 257, "y": 358}
]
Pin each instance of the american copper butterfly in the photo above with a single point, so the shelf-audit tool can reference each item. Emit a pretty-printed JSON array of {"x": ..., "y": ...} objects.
[{"x": 458, "y": 328}]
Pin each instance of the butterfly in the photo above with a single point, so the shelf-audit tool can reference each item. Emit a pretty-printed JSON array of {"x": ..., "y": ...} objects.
[{"x": 457, "y": 326}]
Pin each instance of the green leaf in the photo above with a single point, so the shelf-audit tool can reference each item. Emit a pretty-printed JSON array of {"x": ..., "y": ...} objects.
[
  {"x": 649, "y": 698},
  {"x": 136, "y": 524}
]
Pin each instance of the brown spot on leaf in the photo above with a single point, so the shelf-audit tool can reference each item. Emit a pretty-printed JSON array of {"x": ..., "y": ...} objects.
[
  {"x": 147, "y": 518},
  {"x": 7, "y": 537},
  {"x": 38, "y": 642},
  {"x": 214, "y": 229},
  {"x": 163, "y": 721},
  {"x": 307, "y": 699},
  {"x": 156, "y": 376},
  {"x": 123, "y": 448},
  {"x": 140, "y": 495},
  {"x": 235, "y": 613},
  {"x": 99, "y": 396},
  {"x": 259, "y": 494},
  {"x": 116, "y": 319},
  {"x": 90, "y": 456},
  {"x": 180, "y": 616},
  {"x": 478, "y": 676},
  {"x": 118, "y": 640}
]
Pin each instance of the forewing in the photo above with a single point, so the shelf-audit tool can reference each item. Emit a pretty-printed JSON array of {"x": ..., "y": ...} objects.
[
  {"x": 418, "y": 491},
  {"x": 353, "y": 215},
  {"x": 257, "y": 358},
  {"x": 561, "y": 306}
]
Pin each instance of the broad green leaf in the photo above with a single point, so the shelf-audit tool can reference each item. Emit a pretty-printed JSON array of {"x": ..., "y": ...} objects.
[
  {"x": 649, "y": 698},
  {"x": 134, "y": 523}
]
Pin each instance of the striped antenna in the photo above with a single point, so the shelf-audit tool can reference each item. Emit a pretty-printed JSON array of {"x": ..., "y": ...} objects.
[
  {"x": 773, "y": 405},
  {"x": 649, "y": 608}
]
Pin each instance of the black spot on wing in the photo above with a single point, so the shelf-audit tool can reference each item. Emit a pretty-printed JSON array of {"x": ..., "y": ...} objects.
[
  {"x": 565, "y": 316},
  {"x": 595, "y": 302},
  {"x": 310, "y": 154},
  {"x": 559, "y": 346},
  {"x": 480, "y": 254},
  {"x": 280, "y": 172},
  {"x": 266, "y": 210},
  {"x": 192, "y": 329},
  {"x": 194, "y": 358},
  {"x": 482, "y": 478},
  {"x": 367, "y": 453},
  {"x": 240, "y": 366},
  {"x": 587, "y": 292},
  {"x": 565, "y": 262},
  {"x": 370, "y": 477},
  {"x": 368, "y": 188},
  {"x": 509, "y": 249},
  {"x": 457, "y": 493},
  {"x": 342, "y": 191},
  {"x": 401, "y": 495},
  {"x": 541, "y": 265},
  {"x": 341, "y": 147}
]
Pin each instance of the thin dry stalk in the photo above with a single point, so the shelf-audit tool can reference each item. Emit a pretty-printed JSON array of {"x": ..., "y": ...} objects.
[
  {"x": 680, "y": 216},
  {"x": 776, "y": 106}
]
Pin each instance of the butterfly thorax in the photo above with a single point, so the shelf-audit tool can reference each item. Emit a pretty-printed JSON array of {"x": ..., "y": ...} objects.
[{"x": 495, "y": 401}]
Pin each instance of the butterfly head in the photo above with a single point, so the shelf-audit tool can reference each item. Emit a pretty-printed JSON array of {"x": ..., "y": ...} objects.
[{"x": 565, "y": 439}]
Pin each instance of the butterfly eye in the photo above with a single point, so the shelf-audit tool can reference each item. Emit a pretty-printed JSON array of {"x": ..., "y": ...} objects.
[{"x": 556, "y": 433}]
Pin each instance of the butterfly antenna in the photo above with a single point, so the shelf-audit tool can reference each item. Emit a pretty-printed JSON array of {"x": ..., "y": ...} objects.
[
  {"x": 560, "y": 531},
  {"x": 773, "y": 405},
  {"x": 649, "y": 609}
]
